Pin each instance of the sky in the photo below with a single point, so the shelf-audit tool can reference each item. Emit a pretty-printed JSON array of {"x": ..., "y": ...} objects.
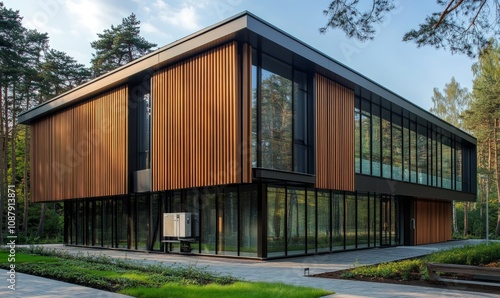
[{"x": 401, "y": 67}]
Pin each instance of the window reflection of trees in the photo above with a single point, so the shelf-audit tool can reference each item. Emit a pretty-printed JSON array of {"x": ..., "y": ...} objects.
[{"x": 276, "y": 122}]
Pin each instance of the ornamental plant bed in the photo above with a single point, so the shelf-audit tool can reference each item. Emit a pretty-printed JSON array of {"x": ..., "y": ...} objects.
[{"x": 414, "y": 277}]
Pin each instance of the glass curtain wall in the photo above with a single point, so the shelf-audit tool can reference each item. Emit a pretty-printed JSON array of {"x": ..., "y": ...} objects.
[
  {"x": 394, "y": 144},
  {"x": 330, "y": 221},
  {"x": 324, "y": 224},
  {"x": 229, "y": 220},
  {"x": 280, "y": 116},
  {"x": 299, "y": 220},
  {"x": 338, "y": 216}
]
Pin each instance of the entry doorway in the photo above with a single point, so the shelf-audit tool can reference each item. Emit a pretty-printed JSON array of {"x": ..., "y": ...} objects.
[{"x": 408, "y": 220}]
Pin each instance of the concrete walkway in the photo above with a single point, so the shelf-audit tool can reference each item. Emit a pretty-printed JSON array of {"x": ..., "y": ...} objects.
[
  {"x": 34, "y": 286},
  {"x": 286, "y": 270}
]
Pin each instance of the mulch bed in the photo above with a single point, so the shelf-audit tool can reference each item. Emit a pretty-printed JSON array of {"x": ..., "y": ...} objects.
[{"x": 415, "y": 280}]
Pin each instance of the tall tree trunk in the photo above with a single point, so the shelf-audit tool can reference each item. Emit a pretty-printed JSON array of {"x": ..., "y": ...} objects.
[
  {"x": 497, "y": 171},
  {"x": 466, "y": 218},
  {"x": 2, "y": 164},
  {"x": 4, "y": 142},
  {"x": 454, "y": 215},
  {"x": 25, "y": 172},
  {"x": 13, "y": 134},
  {"x": 41, "y": 224}
]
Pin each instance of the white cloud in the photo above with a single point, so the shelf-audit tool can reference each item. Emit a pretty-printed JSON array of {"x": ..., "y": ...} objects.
[
  {"x": 159, "y": 4},
  {"x": 185, "y": 16},
  {"x": 93, "y": 15}
]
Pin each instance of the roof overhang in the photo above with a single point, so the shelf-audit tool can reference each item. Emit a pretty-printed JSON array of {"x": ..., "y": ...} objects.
[{"x": 244, "y": 27}]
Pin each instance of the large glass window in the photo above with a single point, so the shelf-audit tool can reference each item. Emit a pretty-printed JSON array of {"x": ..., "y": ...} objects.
[
  {"x": 142, "y": 118},
  {"x": 376, "y": 141},
  {"x": 276, "y": 115},
  {"x": 296, "y": 224},
  {"x": 434, "y": 161},
  {"x": 338, "y": 214},
  {"x": 248, "y": 221},
  {"x": 97, "y": 223},
  {"x": 447, "y": 163},
  {"x": 276, "y": 221},
  {"x": 458, "y": 166},
  {"x": 363, "y": 221},
  {"x": 156, "y": 219},
  {"x": 357, "y": 139},
  {"x": 413, "y": 152},
  {"x": 280, "y": 122},
  {"x": 311, "y": 221},
  {"x": 74, "y": 224},
  {"x": 300, "y": 126},
  {"x": 142, "y": 222},
  {"x": 397, "y": 148},
  {"x": 375, "y": 211},
  {"x": 386, "y": 144},
  {"x": 227, "y": 218},
  {"x": 350, "y": 221},
  {"x": 208, "y": 222},
  {"x": 406, "y": 150},
  {"x": 255, "y": 114},
  {"x": 122, "y": 226},
  {"x": 365, "y": 137},
  {"x": 323, "y": 221},
  {"x": 422, "y": 154},
  {"x": 439, "y": 161},
  {"x": 108, "y": 223}
]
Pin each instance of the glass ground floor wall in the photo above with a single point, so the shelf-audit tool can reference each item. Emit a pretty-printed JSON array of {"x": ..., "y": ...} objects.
[
  {"x": 259, "y": 220},
  {"x": 227, "y": 220},
  {"x": 303, "y": 221}
]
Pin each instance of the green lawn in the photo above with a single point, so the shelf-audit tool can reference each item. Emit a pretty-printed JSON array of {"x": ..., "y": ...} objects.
[
  {"x": 144, "y": 280},
  {"x": 237, "y": 289}
]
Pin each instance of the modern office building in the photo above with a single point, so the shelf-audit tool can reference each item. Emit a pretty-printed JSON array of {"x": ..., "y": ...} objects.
[{"x": 274, "y": 148}]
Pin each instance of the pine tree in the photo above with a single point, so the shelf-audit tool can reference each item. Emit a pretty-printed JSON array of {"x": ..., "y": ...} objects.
[
  {"x": 483, "y": 116},
  {"x": 464, "y": 27},
  {"x": 118, "y": 46}
]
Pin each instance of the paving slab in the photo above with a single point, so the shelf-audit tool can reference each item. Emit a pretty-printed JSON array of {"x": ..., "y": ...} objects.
[
  {"x": 39, "y": 287},
  {"x": 291, "y": 270}
]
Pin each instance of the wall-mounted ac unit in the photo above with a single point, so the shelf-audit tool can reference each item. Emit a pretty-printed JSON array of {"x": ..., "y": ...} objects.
[{"x": 180, "y": 225}]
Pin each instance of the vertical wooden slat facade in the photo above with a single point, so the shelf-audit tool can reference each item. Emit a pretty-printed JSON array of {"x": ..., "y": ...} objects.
[
  {"x": 197, "y": 127},
  {"x": 246, "y": 113},
  {"x": 433, "y": 221},
  {"x": 334, "y": 135},
  {"x": 82, "y": 151}
]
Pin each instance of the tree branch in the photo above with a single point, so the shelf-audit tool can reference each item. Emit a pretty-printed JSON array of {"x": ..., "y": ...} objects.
[
  {"x": 446, "y": 11},
  {"x": 477, "y": 14}
]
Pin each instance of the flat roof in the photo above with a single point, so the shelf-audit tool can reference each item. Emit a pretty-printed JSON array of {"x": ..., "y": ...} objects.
[{"x": 246, "y": 27}]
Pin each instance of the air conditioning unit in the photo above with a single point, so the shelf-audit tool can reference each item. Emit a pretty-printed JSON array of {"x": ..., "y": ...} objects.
[{"x": 180, "y": 225}]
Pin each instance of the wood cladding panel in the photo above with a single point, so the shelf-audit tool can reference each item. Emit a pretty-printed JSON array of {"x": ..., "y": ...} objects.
[
  {"x": 433, "y": 221},
  {"x": 334, "y": 135},
  {"x": 82, "y": 151},
  {"x": 197, "y": 127}
]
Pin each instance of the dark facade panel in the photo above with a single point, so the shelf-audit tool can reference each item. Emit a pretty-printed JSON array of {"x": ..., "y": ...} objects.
[{"x": 399, "y": 188}]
